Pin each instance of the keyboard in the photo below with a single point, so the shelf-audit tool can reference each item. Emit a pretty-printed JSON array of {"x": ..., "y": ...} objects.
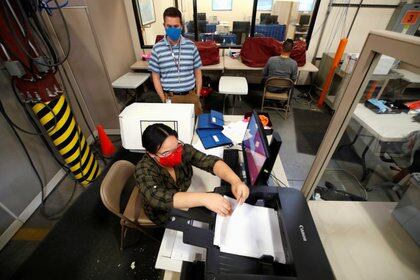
[{"x": 231, "y": 158}]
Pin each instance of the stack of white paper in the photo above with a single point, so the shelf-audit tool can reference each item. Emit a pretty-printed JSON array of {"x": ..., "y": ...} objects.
[
  {"x": 235, "y": 131},
  {"x": 218, "y": 151},
  {"x": 250, "y": 231}
]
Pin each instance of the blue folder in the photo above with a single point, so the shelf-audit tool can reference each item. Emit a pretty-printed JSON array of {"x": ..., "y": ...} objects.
[
  {"x": 214, "y": 120},
  {"x": 213, "y": 138},
  {"x": 209, "y": 129}
]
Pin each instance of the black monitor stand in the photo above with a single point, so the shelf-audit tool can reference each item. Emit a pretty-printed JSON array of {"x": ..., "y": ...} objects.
[{"x": 274, "y": 150}]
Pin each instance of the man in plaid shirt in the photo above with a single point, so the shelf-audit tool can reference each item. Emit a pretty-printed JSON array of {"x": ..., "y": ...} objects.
[{"x": 164, "y": 175}]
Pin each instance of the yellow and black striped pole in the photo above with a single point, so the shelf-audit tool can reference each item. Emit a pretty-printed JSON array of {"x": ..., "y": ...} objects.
[{"x": 58, "y": 120}]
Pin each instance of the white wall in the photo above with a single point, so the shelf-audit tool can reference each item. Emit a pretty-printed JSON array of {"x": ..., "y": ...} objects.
[
  {"x": 367, "y": 19},
  {"x": 156, "y": 28}
]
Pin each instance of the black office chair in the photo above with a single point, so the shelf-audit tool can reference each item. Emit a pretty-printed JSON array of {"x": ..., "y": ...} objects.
[{"x": 405, "y": 160}]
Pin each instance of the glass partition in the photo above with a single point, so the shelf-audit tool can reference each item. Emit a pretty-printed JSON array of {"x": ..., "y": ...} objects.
[
  {"x": 372, "y": 146},
  {"x": 283, "y": 19},
  {"x": 380, "y": 144},
  {"x": 227, "y": 22}
]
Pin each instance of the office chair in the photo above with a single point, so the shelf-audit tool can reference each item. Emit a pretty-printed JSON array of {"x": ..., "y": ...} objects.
[
  {"x": 280, "y": 90},
  {"x": 404, "y": 165},
  {"x": 111, "y": 188}
]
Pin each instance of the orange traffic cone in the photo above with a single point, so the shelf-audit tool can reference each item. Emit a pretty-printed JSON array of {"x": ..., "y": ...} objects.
[{"x": 107, "y": 148}]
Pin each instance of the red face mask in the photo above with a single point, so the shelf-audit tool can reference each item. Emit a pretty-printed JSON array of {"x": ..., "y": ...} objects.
[{"x": 173, "y": 159}]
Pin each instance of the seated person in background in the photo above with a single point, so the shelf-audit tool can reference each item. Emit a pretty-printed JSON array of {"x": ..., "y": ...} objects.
[
  {"x": 164, "y": 175},
  {"x": 281, "y": 66}
]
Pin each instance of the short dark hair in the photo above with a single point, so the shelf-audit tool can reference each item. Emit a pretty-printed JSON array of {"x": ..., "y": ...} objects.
[
  {"x": 288, "y": 45},
  {"x": 172, "y": 12},
  {"x": 154, "y": 135}
]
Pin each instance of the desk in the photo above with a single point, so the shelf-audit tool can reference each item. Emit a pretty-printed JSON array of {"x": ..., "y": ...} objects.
[
  {"x": 144, "y": 65},
  {"x": 236, "y": 64},
  {"x": 130, "y": 80},
  {"x": 408, "y": 75},
  {"x": 385, "y": 127},
  {"x": 362, "y": 240},
  {"x": 201, "y": 182}
]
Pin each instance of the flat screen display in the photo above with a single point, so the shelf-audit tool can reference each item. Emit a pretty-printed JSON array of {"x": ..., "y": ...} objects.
[{"x": 255, "y": 150}]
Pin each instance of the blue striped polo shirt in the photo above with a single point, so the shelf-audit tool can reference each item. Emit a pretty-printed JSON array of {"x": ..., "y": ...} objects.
[{"x": 162, "y": 62}]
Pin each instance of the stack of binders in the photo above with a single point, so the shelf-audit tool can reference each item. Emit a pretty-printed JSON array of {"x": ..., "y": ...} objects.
[{"x": 209, "y": 129}]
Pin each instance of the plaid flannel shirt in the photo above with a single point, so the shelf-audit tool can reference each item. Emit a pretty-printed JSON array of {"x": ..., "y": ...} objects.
[{"x": 157, "y": 187}]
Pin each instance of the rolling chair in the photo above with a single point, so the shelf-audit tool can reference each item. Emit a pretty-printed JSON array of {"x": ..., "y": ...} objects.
[
  {"x": 111, "y": 188},
  {"x": 405, "y": 166},
  {"x": 280, "y": 90}
]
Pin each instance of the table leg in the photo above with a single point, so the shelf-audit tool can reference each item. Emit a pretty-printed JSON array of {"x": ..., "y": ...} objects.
[
  {"x": 366, "y": 171},
  {"x": 224, "y": 101},
  {"x": 381, "y": 91},
  {"x": 354, "y": 140},
  {"x": 234, "y": 103}
]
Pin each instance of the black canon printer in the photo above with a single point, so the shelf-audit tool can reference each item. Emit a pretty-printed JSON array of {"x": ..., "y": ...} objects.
[{"x": 305, "y": 256}]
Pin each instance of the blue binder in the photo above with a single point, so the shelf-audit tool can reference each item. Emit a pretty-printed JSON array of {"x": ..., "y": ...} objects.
[{"x": 209, "y": 129}]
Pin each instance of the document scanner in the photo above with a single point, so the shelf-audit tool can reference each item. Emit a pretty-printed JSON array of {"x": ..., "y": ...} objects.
[{"x": 305, "y": 255}]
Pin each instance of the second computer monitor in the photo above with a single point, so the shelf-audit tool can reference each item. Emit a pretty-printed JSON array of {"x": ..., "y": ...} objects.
[
  {"x": 263, "y": 16},
  {"x": 201, "y": 16},
  {"x": 304, "y": 19}
]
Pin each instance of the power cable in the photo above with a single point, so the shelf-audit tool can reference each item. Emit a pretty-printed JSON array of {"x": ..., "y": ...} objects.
[
  {"x": 279, "y": 182},
  {"x": 43, "y": 198},
  {"x": 16, "y": 37}
]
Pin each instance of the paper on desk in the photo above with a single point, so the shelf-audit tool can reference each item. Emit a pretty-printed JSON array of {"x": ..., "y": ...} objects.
[
  {"x": 235, "y": 131},
  {"x": 250, "y": 231},
  {"x": 218, "y": 151}
]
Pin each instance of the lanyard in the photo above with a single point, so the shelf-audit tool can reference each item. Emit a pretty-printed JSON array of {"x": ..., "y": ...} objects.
[{"x": 178, "y": 65}]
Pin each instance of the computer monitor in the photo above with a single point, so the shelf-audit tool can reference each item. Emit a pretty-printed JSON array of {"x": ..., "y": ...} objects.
[
  {"x": 201, "y": 16},
  {"x": 241, "y": 26},
  {"x": 241, "y": 30},
  {"x": 304, "y": 19},
  {"x": 201, "y": 26},
  {"x": 258, "y": 156},
  {"x": 271, "y": 20},
  {"x": 263, "y": 17}
]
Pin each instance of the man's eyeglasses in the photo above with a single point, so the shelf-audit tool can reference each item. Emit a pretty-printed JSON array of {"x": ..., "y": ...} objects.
[{"x": 168, "y": 153}]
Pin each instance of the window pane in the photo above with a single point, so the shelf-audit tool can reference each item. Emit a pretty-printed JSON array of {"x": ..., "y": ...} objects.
[
  {"x": 230, "y": 26},
  {"x": 151, "y": 30},
  {"x": 381, "y": 144},
  {"x": 186, "y": 8},
  {"x": 283, "y": 19}
]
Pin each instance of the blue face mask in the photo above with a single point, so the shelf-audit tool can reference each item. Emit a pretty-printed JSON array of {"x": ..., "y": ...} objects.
[{"x": 173, "y": 32}]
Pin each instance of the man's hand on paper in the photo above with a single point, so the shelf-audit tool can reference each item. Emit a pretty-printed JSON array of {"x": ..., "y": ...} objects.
[
  {"x": 240, "y": 191},
  {"x": 218, "y": 204}
]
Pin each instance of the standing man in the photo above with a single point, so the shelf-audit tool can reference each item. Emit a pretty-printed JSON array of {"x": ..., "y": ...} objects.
[
  {"x": 282, "y": 66},
  {"x": 175, "y": 64}
]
